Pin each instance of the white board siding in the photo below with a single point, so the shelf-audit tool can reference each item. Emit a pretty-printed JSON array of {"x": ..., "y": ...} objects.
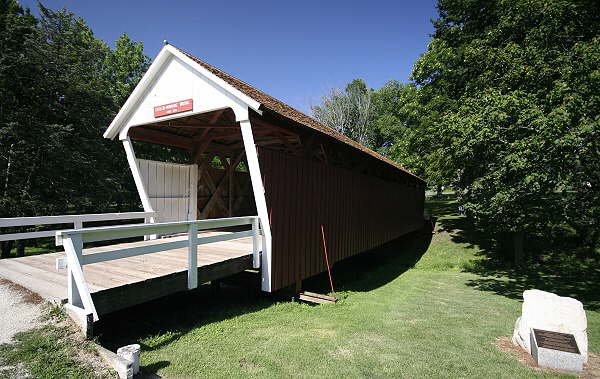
[{"x": 170, "y": 187}]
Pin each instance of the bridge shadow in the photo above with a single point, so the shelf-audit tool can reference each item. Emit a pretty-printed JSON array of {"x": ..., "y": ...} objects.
[
  {"x": 174, "y": 316},
  {"x": 374, "y": 268},
  {"x": 549, "y": 266}
]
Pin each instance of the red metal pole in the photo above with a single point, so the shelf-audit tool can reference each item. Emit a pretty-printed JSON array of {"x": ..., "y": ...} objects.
[{"x": 327, "y": 260}]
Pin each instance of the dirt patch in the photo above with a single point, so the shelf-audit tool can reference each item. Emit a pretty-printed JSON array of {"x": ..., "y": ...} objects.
[
  {"x": 83, "y": 351},
  {"x": 591, "y": 370},
  {"x": 27, "y": 296}
]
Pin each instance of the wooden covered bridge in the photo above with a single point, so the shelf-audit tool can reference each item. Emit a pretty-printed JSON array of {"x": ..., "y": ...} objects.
[{"x": 255, "y": 163}]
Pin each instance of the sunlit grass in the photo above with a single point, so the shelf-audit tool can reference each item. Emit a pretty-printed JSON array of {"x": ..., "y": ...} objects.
[{"x": 395, "y": 318}]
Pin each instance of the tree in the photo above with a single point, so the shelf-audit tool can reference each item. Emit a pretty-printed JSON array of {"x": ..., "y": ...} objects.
[
  {"x": 397, "y": 130},
  {"x": 61, "y": 87},
  {"x": 348, "y": 111},
  {"x": 514, "y": 90}
]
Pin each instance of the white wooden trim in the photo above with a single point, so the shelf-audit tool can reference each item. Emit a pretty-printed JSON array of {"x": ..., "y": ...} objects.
[
  {"x": 139, "y": 90},
  {"x": 260, "y": 201},
  {"x": 193, "y": 203},
  {"x": 104, "y": 233},
  {"x": 192, "y": 256},
  {"x": 71, "y": 249},
  {"x": 72, "y": 290},
  {"x": 139, "y": 183},
  {"x": 72, "y": 240},
  {"x": 28, "y": 235},
  {"x": 76, "y": 220},
  {"x": 111, "y": 255},
  {"x": 255, "y": 250},
  {"x": 70, "y": 219}
]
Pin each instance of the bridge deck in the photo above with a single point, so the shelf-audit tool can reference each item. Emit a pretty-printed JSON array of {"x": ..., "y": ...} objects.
[{"x": 129, "y": 281}]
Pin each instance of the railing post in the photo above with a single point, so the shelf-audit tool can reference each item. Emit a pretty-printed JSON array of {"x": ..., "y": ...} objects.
[
  {"x": 73, "y": 292},
  {"x": 193, "y": 256},
  {"x": 147, "y": 220},
  {"x": 78, "y": 224},
  {"x": 78, "y": 290},
  {"x": 255, "y": 231}
]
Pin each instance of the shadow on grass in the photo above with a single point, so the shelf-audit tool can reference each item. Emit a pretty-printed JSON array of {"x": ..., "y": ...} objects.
[
  {"x": 374, "y": 268},
  {"x": 170, "y": 318},
  {"x": 553, "y": 269}
]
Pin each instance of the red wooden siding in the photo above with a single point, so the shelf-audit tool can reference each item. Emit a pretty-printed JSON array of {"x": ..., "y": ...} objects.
[{"x": 358, "y": 212}]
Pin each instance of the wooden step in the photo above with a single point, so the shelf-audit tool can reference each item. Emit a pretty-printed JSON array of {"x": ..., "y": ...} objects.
[{"x": 316, "y": 298}]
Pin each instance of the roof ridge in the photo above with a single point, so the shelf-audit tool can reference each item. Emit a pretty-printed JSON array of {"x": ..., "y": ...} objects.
[{"x": 288, "y": 111}]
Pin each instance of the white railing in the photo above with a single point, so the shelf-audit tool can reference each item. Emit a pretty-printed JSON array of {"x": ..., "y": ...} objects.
[
  {"x": 79, "y": 297},
  {"x": 76, "y": 220}
]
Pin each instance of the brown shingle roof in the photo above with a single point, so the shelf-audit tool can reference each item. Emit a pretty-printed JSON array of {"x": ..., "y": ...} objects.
[{"x": 287, "y": 111}]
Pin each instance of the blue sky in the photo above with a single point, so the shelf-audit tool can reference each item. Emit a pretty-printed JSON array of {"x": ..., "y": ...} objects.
[{"x": 292, "y": 50}]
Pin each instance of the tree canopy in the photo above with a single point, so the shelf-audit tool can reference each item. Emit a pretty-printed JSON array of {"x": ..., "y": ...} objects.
[
  {"x": 504, "y": 106},
  {"x": 515, "y": 87},
  {"x": 60, "y": 88}
]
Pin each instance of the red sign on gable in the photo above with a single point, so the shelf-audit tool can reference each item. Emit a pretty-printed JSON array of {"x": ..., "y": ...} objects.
[{"x": 172, "y": 108}]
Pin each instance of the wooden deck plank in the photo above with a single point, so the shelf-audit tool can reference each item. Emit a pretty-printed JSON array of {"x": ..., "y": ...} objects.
[{"x": 128, "y": 281}]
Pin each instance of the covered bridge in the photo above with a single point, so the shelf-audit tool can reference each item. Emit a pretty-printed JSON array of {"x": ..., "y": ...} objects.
[{"x": 273, "y": 161}]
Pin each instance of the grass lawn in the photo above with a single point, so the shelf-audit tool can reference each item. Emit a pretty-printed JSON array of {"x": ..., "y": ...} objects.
[
  {"x": 402, "y": 313},
  {"x": 56, "y": 349}
]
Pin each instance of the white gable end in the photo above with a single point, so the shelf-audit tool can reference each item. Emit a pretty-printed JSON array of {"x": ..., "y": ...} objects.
[
  {"x": 177, "y": 82},
  {"x": 173, "y": 77}
]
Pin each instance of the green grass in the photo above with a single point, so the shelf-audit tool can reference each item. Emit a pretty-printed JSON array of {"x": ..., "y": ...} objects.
[
  {"x": 402, "y": 313},
  {"x": 51, "y": 351}
]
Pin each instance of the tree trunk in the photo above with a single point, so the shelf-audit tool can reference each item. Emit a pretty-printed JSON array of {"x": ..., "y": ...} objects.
[
  {"x": 21, "y": 248},
  {"x": 5, "y": 248},
  {"x": 518, "y": 241}
]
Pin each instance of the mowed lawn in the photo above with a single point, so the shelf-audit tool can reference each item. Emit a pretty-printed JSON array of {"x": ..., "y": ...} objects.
[{"x": 400, "y": 315}]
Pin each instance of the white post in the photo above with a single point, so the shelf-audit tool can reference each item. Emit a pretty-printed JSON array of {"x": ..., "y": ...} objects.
[
  {"x": 73, "y": 292},
  {"x": 193, "y": 256},
  {"x": 73, "y": 248},
  {"x": 193, "y": 211},
  {"x": 260, "y": 201},
  {"x": 255, "y": 256},
  {"x": 137, "y": 178}
]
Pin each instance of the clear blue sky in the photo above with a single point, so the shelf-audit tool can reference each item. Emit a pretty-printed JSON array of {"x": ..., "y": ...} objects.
[{"x": 292, "y": 50}]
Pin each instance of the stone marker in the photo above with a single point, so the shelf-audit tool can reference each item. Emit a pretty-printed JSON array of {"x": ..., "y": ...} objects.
[
  {"x": 132, "y": 354},
  {"x": 548, "y": 311},
  {"x": 555, "y": 350}
]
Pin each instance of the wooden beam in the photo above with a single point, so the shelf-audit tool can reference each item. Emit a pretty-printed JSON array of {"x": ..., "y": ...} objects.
[
  {"x": 216, "y": 116},
  {"x": 204, "y": 175},
  {"x": 287, "y": 144},
  {"x": 223, "y": 180},
  {"x": 160, "y": 138},
  {"x": 266, "y": 124},
  {"x": 200, "y": 149}
]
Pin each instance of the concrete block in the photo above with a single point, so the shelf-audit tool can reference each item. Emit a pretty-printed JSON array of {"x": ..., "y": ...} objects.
[
  {"x": 122, "y": 366},
  {"x": 131, "y": 353},
  {"x": 555, "y": 350}
]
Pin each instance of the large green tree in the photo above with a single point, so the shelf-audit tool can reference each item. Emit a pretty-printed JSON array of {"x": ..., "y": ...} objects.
[
  {"x": 60, "y": 88},
  {"x": 514, "y": 90}
]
